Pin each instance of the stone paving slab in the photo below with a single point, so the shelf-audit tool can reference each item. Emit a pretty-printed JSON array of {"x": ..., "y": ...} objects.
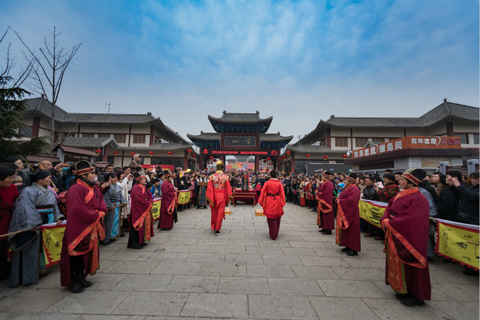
[
  {"x": 152, "y": 303},
  {"x": 280, "y": 307},
  {"x": 189, "y": 273},
  {"x": 216, "y": 305}
]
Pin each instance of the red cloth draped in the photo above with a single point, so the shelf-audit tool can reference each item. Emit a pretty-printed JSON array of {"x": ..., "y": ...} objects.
[
  {"x": 272, "y": 199},
  {"x": 219, "y": 192},
  {"x": 324, "y": 209},
  {"x": 140, "y": 214},
  {"x": 8, "y": 195},
  {"x": 168, "y": 198},
  {"x": 85, "y": 207},
  {"x": 348, "y": 218},
  {"x": 406, "y": 222}
]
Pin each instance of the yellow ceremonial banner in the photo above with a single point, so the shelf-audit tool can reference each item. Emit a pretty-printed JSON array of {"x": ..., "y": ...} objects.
[
  {"x": 458, "y": 242},
  {"x": 183, "y": 197},
  {"x": 52, "y": 238},
  {"x": 156, "y": 209},
  {"x": 372, "y": 211}
]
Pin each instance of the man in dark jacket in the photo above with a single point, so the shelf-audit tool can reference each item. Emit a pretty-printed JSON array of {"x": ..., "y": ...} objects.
[
  {"x": 446, "y": 200},
  {"x": 369, "y": 192},
  {"x": 467, "y": 197}
]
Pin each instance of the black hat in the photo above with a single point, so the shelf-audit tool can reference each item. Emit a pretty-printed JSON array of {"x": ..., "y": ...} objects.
[
  {"x": 42, "y": 174},
  {"x": 419, "y": 174},
  {"x": 353, "y": 175}
]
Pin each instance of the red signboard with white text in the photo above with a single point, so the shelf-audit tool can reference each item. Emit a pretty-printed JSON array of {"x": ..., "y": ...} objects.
[{"x": 411, "y": 142}]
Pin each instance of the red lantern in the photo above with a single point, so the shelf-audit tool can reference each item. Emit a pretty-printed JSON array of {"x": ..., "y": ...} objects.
[
  {"x": 169, "y": 153},
  {"x": 205, "y": 151},
  {"x": 325, "y": 157},
  {"x": 307, "y": 155},
  {"x": 132, "y": 153},
  {"x": 211, "y": 157},
  {"x": 269, "y": 158},
  {"x": 150, "y": 152},
  {"x": 189, "y": 150},
  {"x": 274, "y": 153},
  {"x": 288, "y": 152},
  {"x": 98, "y": 151},
  {"x": 115, "y": 153},
  {"x": 345, "y": 156}
]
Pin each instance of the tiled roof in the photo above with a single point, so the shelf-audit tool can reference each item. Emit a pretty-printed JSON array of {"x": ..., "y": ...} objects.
[
  {"x": 44, "y": 107},
  {"x": 78, "y": 151},
  {"x": 438, "y": 113},
  {"x": 158, "y": 147},
  {"x": 213, "y": 136},
  {"x": 240, "y": 117},
  {"x": 87, "y": 142}
]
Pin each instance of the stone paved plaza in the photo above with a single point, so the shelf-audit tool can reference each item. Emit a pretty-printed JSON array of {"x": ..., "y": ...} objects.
[{"x": 189, "y": 273}]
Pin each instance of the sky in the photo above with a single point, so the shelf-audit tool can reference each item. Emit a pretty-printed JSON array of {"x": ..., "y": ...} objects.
[{"x": 299, "y": 61}]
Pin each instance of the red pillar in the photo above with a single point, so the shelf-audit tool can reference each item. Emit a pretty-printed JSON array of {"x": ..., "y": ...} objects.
[{"x": 105, "y": 153}]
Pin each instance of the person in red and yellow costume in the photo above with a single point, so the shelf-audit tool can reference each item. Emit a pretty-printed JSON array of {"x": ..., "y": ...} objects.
[
  {"x": 167, "y": 208},
  {"x": 85, "y": 209},
  {"x": 219, "y": 193},
  {"x": 272, "y": 200},
  {"x": 324, "y": 196},
  {"x": 406, "y": 225},
  {"x": 348, "y": 217},
  {"x": 141, "y": 221}
]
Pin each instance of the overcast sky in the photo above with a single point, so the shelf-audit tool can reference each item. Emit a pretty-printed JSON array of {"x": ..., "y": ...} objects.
[{"x": 300, "y": 61}]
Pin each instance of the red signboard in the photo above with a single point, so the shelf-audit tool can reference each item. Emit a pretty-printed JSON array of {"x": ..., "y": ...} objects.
[
  {"x": 224, "y": 152},
  {"x": 411, "y": 142}
]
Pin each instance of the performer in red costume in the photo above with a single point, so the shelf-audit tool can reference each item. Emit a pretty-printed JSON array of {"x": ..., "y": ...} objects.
[
  {"x": 85, "y": 208},
  {"x": 168, "y": 203},
  {"x": 325, "y": 202},
  {"x": 406, "y": 224},
  {"x": 140, "y": 215},
  {"x": 8, "y": 196},
  {"x": 348, "y": 217},
  {"x": 272, "y": 200},
  {"x": 219, "y": 192}
]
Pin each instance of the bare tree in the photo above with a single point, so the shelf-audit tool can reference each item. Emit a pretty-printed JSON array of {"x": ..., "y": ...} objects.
[
  {"x": 12, "y": 108},
  {"x": 49, "y": 66},
  {"x": 6, "y": 77}
]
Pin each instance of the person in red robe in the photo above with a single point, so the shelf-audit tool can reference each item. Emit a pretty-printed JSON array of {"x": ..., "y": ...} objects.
[
  {"x": 406, "y": 225},
  {"x": 8, "y": 196},
  {"x": 272, "y": 200},
  {"x": 85, "y": 209},
  {"x": 348, "y": 217},
  {"x": 325, "y": 218},
  {"x": 141, "y": 220},
  {"x": 168, "y": 203},
  {"x": 219, "y": 193}
]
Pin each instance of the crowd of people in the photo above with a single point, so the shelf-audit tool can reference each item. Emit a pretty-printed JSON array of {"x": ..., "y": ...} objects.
[{"x": 101, "y": 204}]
